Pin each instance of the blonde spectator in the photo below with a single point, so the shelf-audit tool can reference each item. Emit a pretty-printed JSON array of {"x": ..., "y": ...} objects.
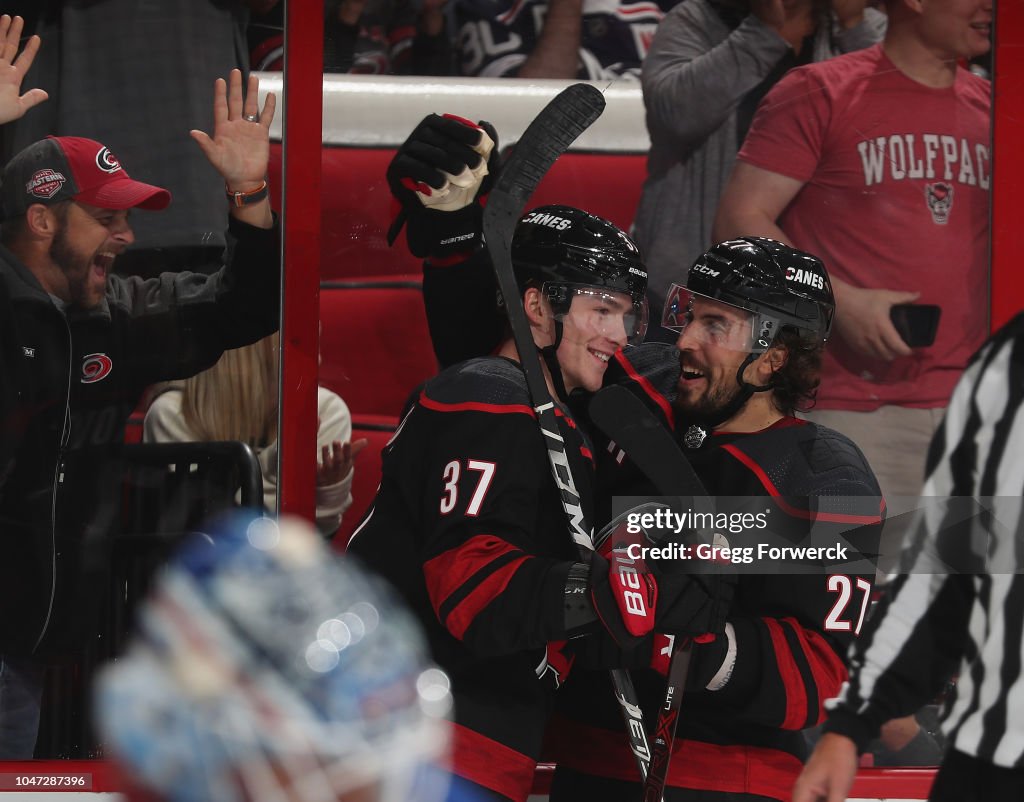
[{"x": 236, "y": 399}]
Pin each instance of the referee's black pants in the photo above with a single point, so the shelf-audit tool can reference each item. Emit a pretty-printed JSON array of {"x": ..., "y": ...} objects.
[{"x": 963, "y": 778}]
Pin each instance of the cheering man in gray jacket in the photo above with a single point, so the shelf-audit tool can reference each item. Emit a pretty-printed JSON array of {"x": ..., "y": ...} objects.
[{"x": 78, "y": 347}]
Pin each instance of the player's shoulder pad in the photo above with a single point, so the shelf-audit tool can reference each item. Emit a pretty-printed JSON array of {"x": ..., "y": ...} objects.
[
  {"x": 811, "y": 460},
  {"x": 485, "y": 384},
  {"x": 651, "y": 368}
]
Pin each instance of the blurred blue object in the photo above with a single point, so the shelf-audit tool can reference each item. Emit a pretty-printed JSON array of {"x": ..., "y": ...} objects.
[{"x": 265, "y": 666}]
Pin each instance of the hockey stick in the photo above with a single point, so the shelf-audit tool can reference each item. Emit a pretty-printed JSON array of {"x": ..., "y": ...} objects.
[
  {"x": 652, "y": 448},
  {"x": 646, "y": 440},
  {"x": 550, "y": 134}
]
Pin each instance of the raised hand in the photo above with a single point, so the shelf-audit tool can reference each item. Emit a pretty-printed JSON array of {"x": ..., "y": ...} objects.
[
  {"x": 13, "y": 67},
  {"x": 849, "y": 12},
  {"x": 793, "y": 20},
  {"x": 337, "y": 461},
  {"x": 240, "y": 146}
]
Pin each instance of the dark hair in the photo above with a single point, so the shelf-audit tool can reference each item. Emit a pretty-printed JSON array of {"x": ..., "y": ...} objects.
[
  {"x": 14, "y": 228},
  {"x": 795, "y": 384}
]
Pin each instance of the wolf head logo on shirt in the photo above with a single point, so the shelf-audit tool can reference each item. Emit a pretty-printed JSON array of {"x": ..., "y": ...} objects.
[{"x": 940, "y": 200}]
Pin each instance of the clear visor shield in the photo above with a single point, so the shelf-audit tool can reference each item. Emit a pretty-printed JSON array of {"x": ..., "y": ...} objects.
[
  {"x": 703, "y": 320},
  {"x": 599, "y": 312}
]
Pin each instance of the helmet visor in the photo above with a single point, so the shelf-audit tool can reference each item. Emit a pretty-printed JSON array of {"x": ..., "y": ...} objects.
[
  {"x": 712, "y": 322},
  {"x": 599, "y": 311}
]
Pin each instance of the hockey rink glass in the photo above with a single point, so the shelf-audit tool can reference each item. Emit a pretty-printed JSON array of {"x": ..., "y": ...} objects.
[
  {"x": 598, "y": 311},
  {"x": 710, "y": 322}
]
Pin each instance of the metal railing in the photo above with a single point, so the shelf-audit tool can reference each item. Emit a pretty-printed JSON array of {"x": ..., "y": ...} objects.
[{"x": 167, "y": 490}]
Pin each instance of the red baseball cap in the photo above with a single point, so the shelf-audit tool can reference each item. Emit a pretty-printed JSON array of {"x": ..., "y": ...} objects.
[{"x": 69, "y": 167}]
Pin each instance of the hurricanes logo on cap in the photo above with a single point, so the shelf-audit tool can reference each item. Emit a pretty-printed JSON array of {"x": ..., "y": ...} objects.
[
  {"x": 96, "y": 367},
  {"x": 45, "y": 183},
  {"x": 107, "y": 161}
]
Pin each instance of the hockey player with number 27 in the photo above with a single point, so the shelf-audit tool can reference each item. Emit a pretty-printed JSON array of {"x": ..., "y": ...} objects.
[
  {"x": 752, "y": 322},
  {"x": 750, "y": 336},
  {"x": 468, "y": 522}
]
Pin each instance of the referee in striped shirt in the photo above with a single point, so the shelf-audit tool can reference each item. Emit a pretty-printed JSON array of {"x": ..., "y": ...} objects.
[{"x": 934, "y": 624}]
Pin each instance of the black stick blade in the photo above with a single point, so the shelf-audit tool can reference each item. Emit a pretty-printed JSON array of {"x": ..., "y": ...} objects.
[
  {"x": 551, "y": 133},
  {"x": 646, "y": 440}
]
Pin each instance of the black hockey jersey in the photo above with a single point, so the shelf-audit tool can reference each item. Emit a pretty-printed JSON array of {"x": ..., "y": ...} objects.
[
  {"x": 468, "y": 525},
  {"x": 496, "y": 36},
  {"x": 791, "y": 631}
]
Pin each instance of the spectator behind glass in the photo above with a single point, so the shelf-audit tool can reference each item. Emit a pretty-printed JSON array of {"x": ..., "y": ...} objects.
[
  {"x": 710, "y": 64},
  {"x": 79, "y": 347},
  {"x": 237, "y": 399},
  {"x": 124, "y": 71},
  {"x": 879, "y": 161},
  {"x": 585, "y": 39},
  {"x": 368, "y": 37}
]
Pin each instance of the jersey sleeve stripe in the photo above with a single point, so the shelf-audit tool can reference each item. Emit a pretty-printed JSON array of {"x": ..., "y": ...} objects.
[
  {"x": 829, "y": 668},
  {"x": 463, "y": 591},
  {"x": 792, "y": 682},
  {"x": 506, "y": 17},
  {"x": 462, "y": 616},
  {"x": 823, "y": 671},
  {"x": 647, "y": 387},
  {"x": 475, "y": 406},
  {"x": 455, "y": 568},
  {"x": 464, "y": 580},
  {"x": 794, "y": 635}
]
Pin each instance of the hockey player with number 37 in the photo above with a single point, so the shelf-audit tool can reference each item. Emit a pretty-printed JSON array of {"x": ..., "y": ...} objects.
[
  {"x": 752, "y": 322},
  {"x": 468, "y": 522}
]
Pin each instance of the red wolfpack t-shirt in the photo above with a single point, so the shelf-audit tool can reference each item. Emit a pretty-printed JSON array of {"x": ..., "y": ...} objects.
[{"x": 896, "y": 196}]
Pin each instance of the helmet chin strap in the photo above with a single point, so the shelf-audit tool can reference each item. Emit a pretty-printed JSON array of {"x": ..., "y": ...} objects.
[
  {"x": 731, "y": 409},
  {"x": 550, "y": 355},
  {"x": 750, "y": 389}
]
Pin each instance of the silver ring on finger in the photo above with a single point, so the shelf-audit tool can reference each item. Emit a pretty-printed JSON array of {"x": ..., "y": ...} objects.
[{"x": 252, "y": 118}]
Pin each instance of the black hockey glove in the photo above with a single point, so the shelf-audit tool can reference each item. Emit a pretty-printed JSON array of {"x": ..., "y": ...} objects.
[
  {"x": 695, "y": 599},
  {"x": 636, "y": 592},
  {"x": 439, "y": 176}
]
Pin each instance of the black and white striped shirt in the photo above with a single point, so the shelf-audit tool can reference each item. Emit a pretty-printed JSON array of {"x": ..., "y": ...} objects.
[{"x": 934, "y": 623}]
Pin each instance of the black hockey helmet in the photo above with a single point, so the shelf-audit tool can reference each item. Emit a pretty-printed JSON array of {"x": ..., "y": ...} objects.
[
  {"x": 560, "y": 248},
  {"x": 779, "y": 285}
]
